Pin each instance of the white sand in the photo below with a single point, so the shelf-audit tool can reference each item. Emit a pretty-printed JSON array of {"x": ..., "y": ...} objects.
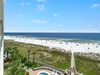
[{"x": 69, "y": 46}]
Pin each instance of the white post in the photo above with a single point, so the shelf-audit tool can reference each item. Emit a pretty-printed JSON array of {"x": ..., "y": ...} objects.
[{"x": 1, "y": 37}]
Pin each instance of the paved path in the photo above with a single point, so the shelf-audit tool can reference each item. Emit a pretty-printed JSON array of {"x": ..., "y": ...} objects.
[{"x": 32, "y": 72}]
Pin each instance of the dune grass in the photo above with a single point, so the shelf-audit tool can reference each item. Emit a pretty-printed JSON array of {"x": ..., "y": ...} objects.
[{"x": 56, "y": 58}]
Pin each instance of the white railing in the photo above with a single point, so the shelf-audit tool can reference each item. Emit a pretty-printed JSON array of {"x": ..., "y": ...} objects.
[{"x": 1, "y": 37}]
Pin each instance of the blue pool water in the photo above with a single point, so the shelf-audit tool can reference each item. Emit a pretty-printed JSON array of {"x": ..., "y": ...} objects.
[{"x": 43, "y": 73}]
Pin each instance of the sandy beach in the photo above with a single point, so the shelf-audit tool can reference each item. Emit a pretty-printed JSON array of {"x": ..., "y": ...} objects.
[{"x": 68, "y": 46}]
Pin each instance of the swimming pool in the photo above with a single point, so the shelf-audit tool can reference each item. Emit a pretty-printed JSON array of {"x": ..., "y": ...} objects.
[{"x": 43, "y": 73}]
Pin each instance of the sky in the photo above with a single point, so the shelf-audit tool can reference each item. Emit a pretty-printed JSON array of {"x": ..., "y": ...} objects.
[{"x": 51, "y": 15}]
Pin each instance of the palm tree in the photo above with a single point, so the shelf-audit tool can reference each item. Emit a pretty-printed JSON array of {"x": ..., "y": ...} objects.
[
  {"x": 33, "y": 56},
  {"x": 28, "y": 55},
  {"x": 20, "y": 59},
  {"x": 14, "y": 53}
]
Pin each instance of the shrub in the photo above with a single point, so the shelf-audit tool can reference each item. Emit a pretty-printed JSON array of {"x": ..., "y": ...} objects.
[
  {"x": 29, "y": 64},
  {"x": 5, "y": 66},
  {"x": 6, "y": 59},
  {"x": 21, "y": 73},
  {"x": 24, "y": 59},
  {"x": 22, "y": 65},
  {"x": 27, "y": 73}
]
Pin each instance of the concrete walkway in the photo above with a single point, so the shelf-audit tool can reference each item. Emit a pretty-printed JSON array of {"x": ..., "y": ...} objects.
[{"x": 32, "y": 72}]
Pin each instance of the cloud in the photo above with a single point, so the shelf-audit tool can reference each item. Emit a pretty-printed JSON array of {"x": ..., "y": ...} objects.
[
  {"x": 60, "y": 25},
  {"x": 57, "y": 25},
  {"x": 98, "y": 24},
  {"x": 95, "y": 5},
  {"x": 12, "y": 22},
  {"x": 41, "y": 0},
  {"x": 55, "y": 15},
  {"x": 39, "y": 21},
  {"x": 54, "y": 23},
  {"x": 41, "y": 7},
  {"x": 89, "y": 25},
  {"x": 19, "y": 15},
  {"x": 25, "y": 3},
  {"x": 94, "y": 26}
]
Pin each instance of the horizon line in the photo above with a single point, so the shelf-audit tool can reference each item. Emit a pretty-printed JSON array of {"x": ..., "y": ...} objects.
[{"x": 50, "y": 32}]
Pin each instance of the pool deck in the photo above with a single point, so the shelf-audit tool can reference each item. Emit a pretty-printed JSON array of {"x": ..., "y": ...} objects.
[{"x": 32, "y": 72}]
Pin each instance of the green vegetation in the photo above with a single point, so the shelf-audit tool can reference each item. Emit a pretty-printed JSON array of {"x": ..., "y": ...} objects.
[
  {"x": 28, "y": 55},
  {"x": 87, "y": 65},
  {"x": 27, "y": 73},
  {"x": 21, "y": 72}
]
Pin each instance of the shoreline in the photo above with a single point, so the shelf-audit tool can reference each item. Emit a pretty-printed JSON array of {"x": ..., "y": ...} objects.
[{"x": 68, "y": 46}]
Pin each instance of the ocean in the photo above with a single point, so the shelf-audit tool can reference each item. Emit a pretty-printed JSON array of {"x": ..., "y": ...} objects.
[{"x": 85, "y": 36}]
